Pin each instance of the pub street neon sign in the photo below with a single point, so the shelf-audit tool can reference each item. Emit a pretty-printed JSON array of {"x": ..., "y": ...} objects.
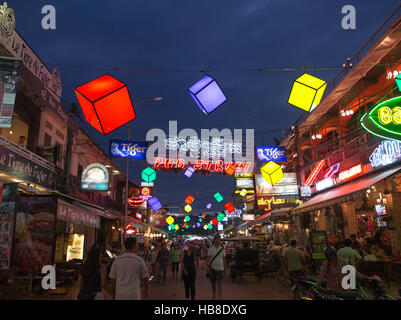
[{"x": 384, "y": 120}]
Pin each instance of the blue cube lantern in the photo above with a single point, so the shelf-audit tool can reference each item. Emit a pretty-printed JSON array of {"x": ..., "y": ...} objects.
[
  {"x": 209, "y": 205},
  {"x": 155, "y": 204},
  {"x": 207, "y": 94},
  {"x": 189, "y": 172}
]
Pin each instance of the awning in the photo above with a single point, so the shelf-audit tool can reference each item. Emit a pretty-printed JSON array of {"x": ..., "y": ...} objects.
[{"x": 343, "y": 193}]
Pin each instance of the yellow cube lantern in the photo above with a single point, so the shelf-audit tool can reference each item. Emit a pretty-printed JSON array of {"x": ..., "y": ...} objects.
[
  {"x": 306, "y": 92},
  {"x": 188, "y": 208},
  {"x": 272, "y": 172},
  {"x": 170, "y": 220},
  {"x": 176, "y": 227}
]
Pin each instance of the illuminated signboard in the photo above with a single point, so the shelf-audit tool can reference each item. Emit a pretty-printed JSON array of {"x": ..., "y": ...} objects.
[
  {"x": 248, "y": 191},
  {"x": 276, "y": 154},
  {"x": 246, "y": 183},
  {"x": 333, "y": 170},
  {"x": 306, "y": 191},
  {"x": 95, "y": 177},
  {"x": 350, "y": 173},
  {"x": 248, "y": 217},
  {"x": 128, "y": 149},
  {"x": 384, "y": 120},
  {"x": 243, "y": 175},
  {"x": 146, "y": 193},
  {"x": 270, "y": 203},
  {"x": 286, "y": 186},
  {"x": 213, "y": 166},
  {"x": 236, "y": 214},
  {"x": 147, "y": 184},
  {"x": 324, "y": 184},
  {"x": 387, "y": 152}
]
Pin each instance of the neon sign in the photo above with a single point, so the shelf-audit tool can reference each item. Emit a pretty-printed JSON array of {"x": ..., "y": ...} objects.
[
  {"x": 384, "y": 120},
  {"x": 333, "y": 170},
  {"x": 350, "y": 173},
  {"x": 271, "y": 154},
  {"x": 314, "y": 173},
  {"x": 215, "y": 166},
  {"x": 387, "y": 152},
  {"x": 324, "y": 184},
  {"x": 128, "y": 149}
]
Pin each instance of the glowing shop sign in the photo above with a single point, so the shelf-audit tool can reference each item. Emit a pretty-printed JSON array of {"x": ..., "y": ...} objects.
[
  {"x": 128, "y": 149},
  {"x": 387, "y": 152},
  {"x": 95, "y": 177},
  {"x": 324, "y": 184},
  {"x": 216, "y": 166},
  {"x": 270, "y": 203},
  {"x": 314, "y": 173},
  {"x": 236, "y": 214},
  {"x": 384, "y": 120},
  {"x": 248, "y": 217},
  {"x": 333, "y": 170},
  {"x": 267, "y": 154},
  {"x": 350, "y": 173}
]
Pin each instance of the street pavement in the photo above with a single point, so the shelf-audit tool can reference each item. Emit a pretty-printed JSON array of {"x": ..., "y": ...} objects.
[{"x": 246, "y": 289}]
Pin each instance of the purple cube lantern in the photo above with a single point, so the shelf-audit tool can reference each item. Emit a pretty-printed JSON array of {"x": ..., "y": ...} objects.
[
  {"x": 155, "y": 204},
  {"x": 207, "y": 94},
  {"x": 209, "y": 205},
  {"x": 189, "y": 172}
]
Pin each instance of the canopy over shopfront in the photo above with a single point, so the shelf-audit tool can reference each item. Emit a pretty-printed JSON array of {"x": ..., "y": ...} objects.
[{"x": 345, "y": 192}]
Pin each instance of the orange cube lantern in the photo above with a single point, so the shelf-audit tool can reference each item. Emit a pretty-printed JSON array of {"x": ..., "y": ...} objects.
[
  {"x": 106, "y": 103},
  {"x": 231, "y": 170},
  {"x": 189, "y": 199}
]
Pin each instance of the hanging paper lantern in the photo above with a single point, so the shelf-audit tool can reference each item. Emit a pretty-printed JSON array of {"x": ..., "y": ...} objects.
[
  {"x": 243, "y": 192},
  {"x": 193, "y": 226},
  {"x": 198, "y": 224},
  {"x": 187, "y": 218},
  {"x": 221, "y": 216},
  {"x": 189, "y": 172},
  {"x": 272, "y": 172},
  {"x": 231, "y": 170},
  {"x": 229, "y": 207},
  {"x": 210, "y": 226},
  {"x": 170, "y": 220},
  {"x": 188, "y": 208},
  {"x": 209, "y": 205},
  {"x": 218, "y": 197},
  {"x": 155, "y": 204},
  {"x": 169, "y": 227},
  {"x": 203, "y": 216},
  {"x": 214, "y": 222},
  {"x": 207, "y": 94},
  {"x": 172, "y": 226},
  {"x": 176, "y": 227},
  {"x": 306, "y": 92},
  {"x": 106, "y": 103},
  {"x": 205, "y": 226},
  {"x": 189, "y": 199},
  {"x": 186, "y": 226},
  {"x": 200, "y": 219},
  {"x": 148, "y": 174}
]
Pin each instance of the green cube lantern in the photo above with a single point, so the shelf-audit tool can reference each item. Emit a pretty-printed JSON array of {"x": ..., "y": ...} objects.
[
  {"x": 210, "y": 226},
  {"x": 307, "y": 92},
  {"x": 218, "y": 197},
  {"x": 398, "y": 81},
  {"x": 187, "y": 218},
  {"x": 148, "y": 174},
  {"x": 272, "y": 172},
  {"x": 221, "y": 216}
]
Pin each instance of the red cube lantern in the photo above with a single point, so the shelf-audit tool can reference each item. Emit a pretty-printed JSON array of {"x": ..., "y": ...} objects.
[
  {"x": 106, "y": 103},
  {"x": 189, "y": 199},
  {"x": 230, "y": 208},
  {"x": 214, "y": 222}
]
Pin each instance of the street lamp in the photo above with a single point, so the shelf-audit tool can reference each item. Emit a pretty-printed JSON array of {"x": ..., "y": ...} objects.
[{"x": 127, "y": 166}]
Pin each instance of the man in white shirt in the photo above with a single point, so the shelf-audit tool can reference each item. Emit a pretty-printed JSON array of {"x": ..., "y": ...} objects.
[
  {"x": 216, "y": 267},
  {"x": 127, "y": 273}
]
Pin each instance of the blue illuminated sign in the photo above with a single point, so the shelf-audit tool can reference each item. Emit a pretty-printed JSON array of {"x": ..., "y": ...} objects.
[
  {"x": 128, "y": 149},
  {"x": 277, "y": 154}
]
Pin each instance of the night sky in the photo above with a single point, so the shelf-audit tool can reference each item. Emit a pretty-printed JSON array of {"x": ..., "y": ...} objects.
[{"x": 100, "y": 35}]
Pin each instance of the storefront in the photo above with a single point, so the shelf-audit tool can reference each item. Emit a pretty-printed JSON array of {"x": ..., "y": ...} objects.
[{"x": 365, "y": 205}]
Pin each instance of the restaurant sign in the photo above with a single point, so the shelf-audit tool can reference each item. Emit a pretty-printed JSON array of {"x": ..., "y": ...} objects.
[
  {"x": 384, "y": 120},
  {"x": 69, "y": 213},
  {"x": 95, "y": 177},
  {"x": 14, "y": 163}
]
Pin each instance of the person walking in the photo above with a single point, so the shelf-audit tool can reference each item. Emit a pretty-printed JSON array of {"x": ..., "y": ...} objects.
[
  {"x": 216, "y": 266},
  {"x": 294, "y": 260},
  {"x": 188, "y": 264},
  {"x": 162, "y": 260},
  {"x": 153, "y": 258},
  {"x": 92, "y": 276},
  {"x": 175, "y": 260},
  {"x": 331, "y": 270},
  {"x": 128, "y": 272}
]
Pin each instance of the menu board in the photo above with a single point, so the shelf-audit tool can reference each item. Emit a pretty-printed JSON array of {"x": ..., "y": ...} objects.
[
  {"x": 7, "y": 211},
  {"x": 318, "y": 244}
]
